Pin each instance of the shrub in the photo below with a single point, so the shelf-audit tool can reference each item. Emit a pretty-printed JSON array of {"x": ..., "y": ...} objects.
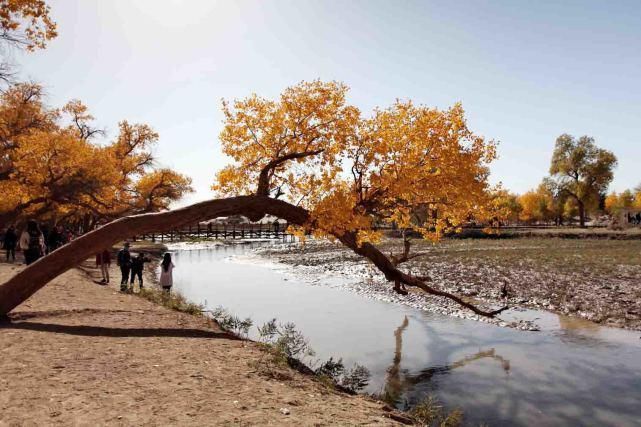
[
  {"x": 353, "y": 380},
  {"x": 284, "y": 345},
  {"x": 356, "y": 379},
  {"x": 173, "y": 301},
  {"x": 430, "y": 412},
  {"x": 231, "y": 323},
  {"x": 292, "y": 343}
]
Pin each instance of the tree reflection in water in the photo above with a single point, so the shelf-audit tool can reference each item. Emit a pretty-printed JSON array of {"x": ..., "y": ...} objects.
[{"x": 398, "y": 382}]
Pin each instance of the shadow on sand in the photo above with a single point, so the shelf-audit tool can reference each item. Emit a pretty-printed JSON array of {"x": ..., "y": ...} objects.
[{"x": 99, "y": 331}]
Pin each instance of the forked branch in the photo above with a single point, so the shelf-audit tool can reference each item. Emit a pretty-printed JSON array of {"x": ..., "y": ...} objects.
[
  {"x": 392, "y": 273},
  {"x": 267, "y": 171},
  {"x": 399, "y": 286}
]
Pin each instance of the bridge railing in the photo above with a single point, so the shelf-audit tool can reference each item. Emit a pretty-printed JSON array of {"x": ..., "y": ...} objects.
[{"x": 221, "y": 232}]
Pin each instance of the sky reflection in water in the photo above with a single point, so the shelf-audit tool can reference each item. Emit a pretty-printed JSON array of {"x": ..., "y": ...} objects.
[{"x": 571, "y": 373}]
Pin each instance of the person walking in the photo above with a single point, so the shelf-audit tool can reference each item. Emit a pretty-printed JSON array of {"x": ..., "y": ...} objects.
[
  {"x": 124, "y": 262},
  {"x": 137, "y": 267},
  {"x": 10, "y": 242},
  {"x": 103, "y": 259},
  {"x": 32, "y": 242},
  {"x": 166, "y": 273}
]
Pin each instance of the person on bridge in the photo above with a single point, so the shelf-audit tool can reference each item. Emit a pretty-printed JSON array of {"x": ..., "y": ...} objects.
[{"x": 124, "y": 262}]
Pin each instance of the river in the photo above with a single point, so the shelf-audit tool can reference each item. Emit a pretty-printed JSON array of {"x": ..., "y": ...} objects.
[{"x": 572, "y": 372}]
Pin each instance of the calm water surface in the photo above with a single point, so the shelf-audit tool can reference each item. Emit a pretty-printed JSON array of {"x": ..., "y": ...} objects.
[{"x": 571, "y": 373}]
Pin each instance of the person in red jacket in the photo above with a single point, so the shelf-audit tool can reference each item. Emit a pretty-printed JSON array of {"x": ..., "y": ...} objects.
[{"x": 103, "y": 259}]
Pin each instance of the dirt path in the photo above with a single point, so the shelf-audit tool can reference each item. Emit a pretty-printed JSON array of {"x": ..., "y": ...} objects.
[{"x": 85, "y": 354}]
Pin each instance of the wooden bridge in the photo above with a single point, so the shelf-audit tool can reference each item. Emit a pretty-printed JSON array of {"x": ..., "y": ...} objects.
[{"x": 275, "y": 231}]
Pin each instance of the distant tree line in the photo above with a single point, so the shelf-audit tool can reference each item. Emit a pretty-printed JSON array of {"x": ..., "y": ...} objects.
[{"x": 577, "y": 187}]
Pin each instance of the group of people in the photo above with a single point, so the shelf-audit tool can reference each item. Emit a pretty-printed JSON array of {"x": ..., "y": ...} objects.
[
  {"x": 132, "y": 267},
  {"x": 33, "y": 242}
]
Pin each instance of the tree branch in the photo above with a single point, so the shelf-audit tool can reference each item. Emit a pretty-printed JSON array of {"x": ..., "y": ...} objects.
[
  {"x": 10, "y": 216},
  {"x": 265, "y": 173}
]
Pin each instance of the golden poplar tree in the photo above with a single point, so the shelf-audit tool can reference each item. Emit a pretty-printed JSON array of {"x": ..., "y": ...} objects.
[
  {"x": 313, "y": 159},
  {"x": 51, "y": 168}
]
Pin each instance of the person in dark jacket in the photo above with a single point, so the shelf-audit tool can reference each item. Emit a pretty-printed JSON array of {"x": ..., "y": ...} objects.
[
  {"x": 56, "y": 238},
  {"x": 124, "y": 262},
  {"x": 62, "y": 236},
  {"x": 10, "y": 242},
  {"x": 52, "y": 240},
  {"x": 137, "y": 267}
]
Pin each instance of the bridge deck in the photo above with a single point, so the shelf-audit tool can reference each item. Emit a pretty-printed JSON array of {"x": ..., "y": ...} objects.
[{"x": 222, "y": 232}]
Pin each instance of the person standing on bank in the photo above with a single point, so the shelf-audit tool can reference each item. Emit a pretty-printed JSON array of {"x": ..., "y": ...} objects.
[
  {"x": 137, "y": 267},
  {"x": 166, "y": 275},
  {"x": 124, "y": 262},
  {"x": 32, "y": 242},
  {"x": 10, "y": 242},
  {"x": 103, "y": 259}
]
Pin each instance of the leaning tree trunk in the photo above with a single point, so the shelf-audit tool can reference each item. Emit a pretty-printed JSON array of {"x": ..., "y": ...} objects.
[
  {"x": 27, "y": 282},
  {"x": 24, "y": 284}
]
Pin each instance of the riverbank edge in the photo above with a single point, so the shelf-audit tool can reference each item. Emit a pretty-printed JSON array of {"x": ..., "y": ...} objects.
[
  {"x": 155, "y": 251},
  {"x": 90, "y": 275}
]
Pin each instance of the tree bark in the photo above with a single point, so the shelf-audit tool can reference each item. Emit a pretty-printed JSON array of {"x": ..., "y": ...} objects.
[{"x": 27, "y": 282}]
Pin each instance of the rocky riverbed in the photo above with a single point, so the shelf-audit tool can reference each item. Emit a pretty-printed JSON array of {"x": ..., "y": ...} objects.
[{"x": 595, "y": 280}]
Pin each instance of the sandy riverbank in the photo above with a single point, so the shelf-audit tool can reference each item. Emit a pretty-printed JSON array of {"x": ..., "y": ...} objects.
[{"x": 79, "y": 352}]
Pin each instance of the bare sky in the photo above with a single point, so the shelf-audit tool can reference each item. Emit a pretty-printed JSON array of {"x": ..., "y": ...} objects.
[{"x": 525, "y": 71}]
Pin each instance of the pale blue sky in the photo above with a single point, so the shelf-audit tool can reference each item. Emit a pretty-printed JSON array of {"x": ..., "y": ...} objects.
[{"x": 525, "y": 71}]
